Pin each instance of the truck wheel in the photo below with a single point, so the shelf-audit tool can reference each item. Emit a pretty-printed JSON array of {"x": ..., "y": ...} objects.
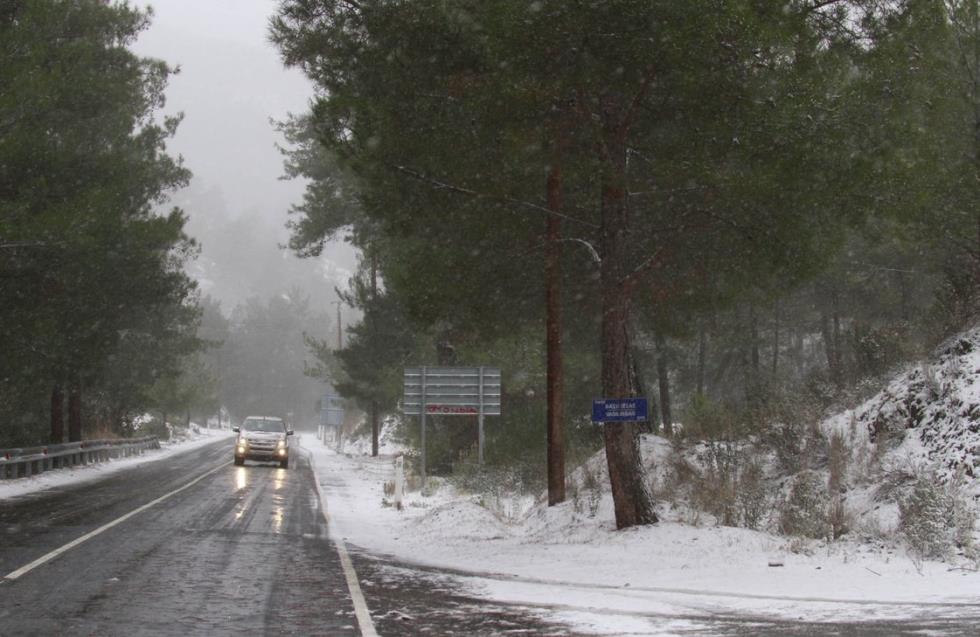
[
  {"x": 284, "y": 464},
  {"x": 239, "y": 461}
]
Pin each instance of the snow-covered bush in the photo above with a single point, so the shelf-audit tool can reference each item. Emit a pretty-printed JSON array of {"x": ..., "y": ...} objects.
[
  {"x": 804, "y": 510},
  {"x": 796, "y": 445},
  {"x": 593, "y": 490},
  {"x": 154, "y": 426},
  {"x": 715, "y": 490},
  {"x": 935, "y": 518},
  {"x": 753, "y": 495}
]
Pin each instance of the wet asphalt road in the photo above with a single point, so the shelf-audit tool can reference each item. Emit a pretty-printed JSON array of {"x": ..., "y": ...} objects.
[{"x": 246, "y": 551}]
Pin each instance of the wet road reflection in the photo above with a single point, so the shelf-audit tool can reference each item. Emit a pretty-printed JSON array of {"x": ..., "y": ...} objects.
[
  {"x": 242, "y": 553},
  {"x": 247, "y": 552},
  {"x": 241, "y": 478}
]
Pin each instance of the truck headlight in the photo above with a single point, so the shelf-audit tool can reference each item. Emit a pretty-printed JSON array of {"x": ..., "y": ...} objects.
[{"x": 281, "y": 444}]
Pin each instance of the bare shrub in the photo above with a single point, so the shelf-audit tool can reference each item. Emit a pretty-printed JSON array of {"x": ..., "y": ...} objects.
[
  {"x": 836, "y": 462},
  {"x": 864, "y": 460},
  {"x": 715, "y": 491},
  {"x": 930, "y": 379},
  {"x": 574, "y": 494},
  {"x": 680, "y": 475},
  {"x": 593, "y": 489},
  {"x": 708, "y": 419},
  {"x": 804, "y": 510},
  {"x": 839, "y": 517}
]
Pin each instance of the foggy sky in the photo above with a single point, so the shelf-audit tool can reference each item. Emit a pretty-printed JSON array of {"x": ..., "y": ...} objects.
[{"x": 231, "y": 83}]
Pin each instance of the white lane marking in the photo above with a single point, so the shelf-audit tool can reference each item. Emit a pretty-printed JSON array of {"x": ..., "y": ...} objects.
[
  {"x": 105, "y": 527},
  {"x": 361, "y": 611}
]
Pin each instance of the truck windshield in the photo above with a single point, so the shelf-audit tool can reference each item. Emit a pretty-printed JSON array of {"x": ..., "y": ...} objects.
[{"x": 263, "y": 425}]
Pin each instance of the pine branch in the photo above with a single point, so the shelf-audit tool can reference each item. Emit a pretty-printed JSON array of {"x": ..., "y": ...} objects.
[{"x": 441, "y": 185}]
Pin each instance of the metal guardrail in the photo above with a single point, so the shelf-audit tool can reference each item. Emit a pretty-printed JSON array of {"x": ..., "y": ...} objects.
[{"x": 25, "y": 462}]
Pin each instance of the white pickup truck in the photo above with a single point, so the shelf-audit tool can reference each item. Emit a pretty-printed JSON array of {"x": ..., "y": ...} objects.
[{"x": 263, "y": 438}]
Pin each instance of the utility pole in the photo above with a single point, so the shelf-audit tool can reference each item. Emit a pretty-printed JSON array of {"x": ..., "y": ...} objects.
[
  {"x": 555, "y": 414},
  {"x": 340, "y": 329}
]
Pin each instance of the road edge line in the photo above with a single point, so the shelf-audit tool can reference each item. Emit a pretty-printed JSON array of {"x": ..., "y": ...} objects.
[
  {"x": 361, "y": 611},
  {"x": 44, "y": 559}
]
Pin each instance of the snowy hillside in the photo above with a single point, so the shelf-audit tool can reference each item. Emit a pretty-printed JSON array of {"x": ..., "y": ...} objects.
[{"x": 930, "y": 414}]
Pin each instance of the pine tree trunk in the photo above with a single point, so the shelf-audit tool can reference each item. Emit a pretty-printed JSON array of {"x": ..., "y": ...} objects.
[
  {"x": 375, "y": 429},
  {"x": 975, "y": 15},
  {"x": 74, "y": 414},
  {"x": 829, "y": 344},
  {"x": 632, "y": 501},
  {"x": 555, "y": 378},
  {"x": 664, "y": 383},
  {"x": 799, "y": 349},
  {"x": 702, "y": 357},
  {"x": 57, "y": 415},
  {"x": 775, "y": 343},
  {"x": 838, "y": 345}
]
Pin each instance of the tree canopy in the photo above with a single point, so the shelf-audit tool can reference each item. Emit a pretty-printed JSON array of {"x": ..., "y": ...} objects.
[{"x": 95, "y": 298}]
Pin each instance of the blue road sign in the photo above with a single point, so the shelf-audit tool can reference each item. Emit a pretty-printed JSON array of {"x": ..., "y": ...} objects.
[{"x": 619, "y": 410}]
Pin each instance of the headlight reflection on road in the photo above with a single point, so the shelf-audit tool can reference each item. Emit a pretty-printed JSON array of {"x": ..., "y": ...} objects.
[
  {"x": 278, "y": 513},
  {"x": 241, "y": 478}
]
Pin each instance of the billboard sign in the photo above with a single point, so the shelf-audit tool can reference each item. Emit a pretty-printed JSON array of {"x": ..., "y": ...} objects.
[{"x": 452, "y": 391}]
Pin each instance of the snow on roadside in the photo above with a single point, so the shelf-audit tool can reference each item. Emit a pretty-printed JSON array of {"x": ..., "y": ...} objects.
[
  {"x": 560, "y": 554},
  {"x": 197, "y": 437}
]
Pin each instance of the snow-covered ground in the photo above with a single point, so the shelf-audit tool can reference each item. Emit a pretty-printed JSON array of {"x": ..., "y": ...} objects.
[
  {"x": 570, "y": 561},
  {"x": 607, "y": 581},
  {"x": 195, "y": 438},
  {"x": 928, "y": 415}
]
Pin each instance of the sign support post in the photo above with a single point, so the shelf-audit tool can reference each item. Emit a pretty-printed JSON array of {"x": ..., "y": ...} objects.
[
  {"x": 423, "y": 426},
  {"x": 480, "y": 423}
]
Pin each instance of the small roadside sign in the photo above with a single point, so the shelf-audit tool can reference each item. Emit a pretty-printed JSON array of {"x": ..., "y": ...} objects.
[
  {"x": 619, "y": 410},
  {"x": 331, "y": 411}
]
